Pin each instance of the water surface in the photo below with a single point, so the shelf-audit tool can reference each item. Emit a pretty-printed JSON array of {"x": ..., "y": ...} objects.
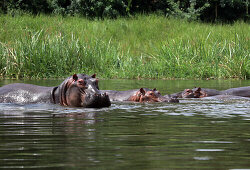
[{"x": 192, "y": 134}]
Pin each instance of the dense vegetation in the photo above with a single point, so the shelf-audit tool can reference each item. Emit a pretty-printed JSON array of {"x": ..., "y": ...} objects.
[
  {"x": 143, "y": 46},
  {"x": 54, "y": 38},
  {"x": 206, "y": 10}
]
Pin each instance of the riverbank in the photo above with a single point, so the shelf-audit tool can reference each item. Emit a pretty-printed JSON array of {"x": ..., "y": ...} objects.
[{"x": 139, "y": 47}]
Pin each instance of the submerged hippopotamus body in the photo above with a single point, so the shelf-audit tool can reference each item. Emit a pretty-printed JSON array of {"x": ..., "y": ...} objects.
[
  {"x": 139, "y": 95},
  {"x": 196, "y": 93},
  {"x": 239, "y": 91},
  {"x": 79, "y": 90},
  {"x": 187, "y": 93},
  {"x": 204, "y": 92},
  {"x": 226, "y": 97}
]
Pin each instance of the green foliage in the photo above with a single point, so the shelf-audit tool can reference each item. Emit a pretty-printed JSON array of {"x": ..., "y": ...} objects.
[
  {"x": 209, "y": 10},
  {"x": 141, "y": 47},
  {"x": 16, "y": 7},
  {"x": 190, "y": 12},
  {"x": 226, "y": 10},
  {"x": 89, "y": 8}
]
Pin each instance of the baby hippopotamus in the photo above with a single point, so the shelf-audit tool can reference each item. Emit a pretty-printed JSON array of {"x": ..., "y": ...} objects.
[
  {"x": 139, "y": 95},
  {"x": 79, "y": 90}
]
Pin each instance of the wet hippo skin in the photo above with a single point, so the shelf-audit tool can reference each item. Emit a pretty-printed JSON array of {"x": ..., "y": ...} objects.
[
  {"x": 204, "y": 92},
  {"x": 226, "y": 97},
  {"x": 239, "y": 91},
  {"x": 79, "y": 90},
  {"x": 187, "y": 93},
  {"x": 139, "y": 95}
]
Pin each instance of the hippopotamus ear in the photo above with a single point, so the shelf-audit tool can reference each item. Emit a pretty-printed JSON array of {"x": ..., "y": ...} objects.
[
  {"x": 75, "y": 77},
  {"x": 199, "y": 89},
  {"x": 142, "y": 91},
  {"x": 93, "y": 76}
]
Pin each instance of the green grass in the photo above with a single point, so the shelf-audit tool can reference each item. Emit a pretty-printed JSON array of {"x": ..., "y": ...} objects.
[{"x": 138, "y": 47}]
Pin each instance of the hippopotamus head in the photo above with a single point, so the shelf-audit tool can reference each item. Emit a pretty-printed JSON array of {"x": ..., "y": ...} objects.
[
  {"x": 149, "y": 95},
  {"x": 199, "y": 93},
  {"x": 187, "y": 93},
  {"x": 80, "y": 90}
]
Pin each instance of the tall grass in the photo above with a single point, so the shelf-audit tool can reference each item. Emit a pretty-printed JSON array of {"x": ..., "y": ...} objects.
[{"x": 139, "y": 47}]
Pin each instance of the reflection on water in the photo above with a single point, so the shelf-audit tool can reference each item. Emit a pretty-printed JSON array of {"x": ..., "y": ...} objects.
[{"x": 192, "y": 134}]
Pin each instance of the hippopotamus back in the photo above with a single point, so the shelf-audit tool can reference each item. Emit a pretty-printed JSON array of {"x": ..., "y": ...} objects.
[
  {"x": 24, "y": 93},
  {"x": 119, "y": 95},
  {"x": 239, "y": 91},
  {"x": 204, "y": 92},
  {"x": 225, "y": 97},
  {"x": 139, "y": 95}
]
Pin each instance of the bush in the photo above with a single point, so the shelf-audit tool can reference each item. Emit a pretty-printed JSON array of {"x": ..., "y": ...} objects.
[
  {"x": 90, "y": 8},
  {"x": 209, "y": 10}
]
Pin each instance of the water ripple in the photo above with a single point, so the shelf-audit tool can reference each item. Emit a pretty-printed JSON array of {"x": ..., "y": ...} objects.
[
  {"x": 204, "y": 158},
  {"x": 212, "y": 142},
  {"x": 209, "y": 150},
  {"x": 187, "y": 107}
]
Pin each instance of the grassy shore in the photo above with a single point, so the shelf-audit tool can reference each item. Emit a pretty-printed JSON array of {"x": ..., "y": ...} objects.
[{"x": 139, "y": 47}]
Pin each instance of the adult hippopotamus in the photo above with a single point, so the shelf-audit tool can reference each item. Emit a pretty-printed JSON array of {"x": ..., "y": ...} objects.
[
  {"x": 139, "y": 95},
  {"x": 79, "y": 90},
  {"x": 204, "y": 92},
  {"x": 239, "y": 91},
  {"x": 196, "y": 93}
]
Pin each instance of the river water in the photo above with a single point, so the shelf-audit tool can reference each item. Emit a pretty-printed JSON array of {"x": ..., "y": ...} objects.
[{"x": 192, "y": 134}]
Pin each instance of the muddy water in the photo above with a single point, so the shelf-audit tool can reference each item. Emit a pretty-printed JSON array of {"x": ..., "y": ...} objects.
[{"x": 193, "y": 134}]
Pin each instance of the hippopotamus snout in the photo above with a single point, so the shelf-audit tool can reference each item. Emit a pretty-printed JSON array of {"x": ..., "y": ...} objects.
[
  {"x": 93, "y": 97},
  {"x": 171, "y": 100},
  {"x": 168, "y": 99},
  {"x": 96, "y": 100}
]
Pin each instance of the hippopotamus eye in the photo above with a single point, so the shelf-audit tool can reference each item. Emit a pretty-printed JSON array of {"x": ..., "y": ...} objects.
[
  {"x": 151, "y": 93},
  {"x": 81, "y": 82}
]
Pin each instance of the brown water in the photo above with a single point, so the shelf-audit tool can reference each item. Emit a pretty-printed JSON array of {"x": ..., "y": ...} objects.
[{"x": 192, "y": 134}]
